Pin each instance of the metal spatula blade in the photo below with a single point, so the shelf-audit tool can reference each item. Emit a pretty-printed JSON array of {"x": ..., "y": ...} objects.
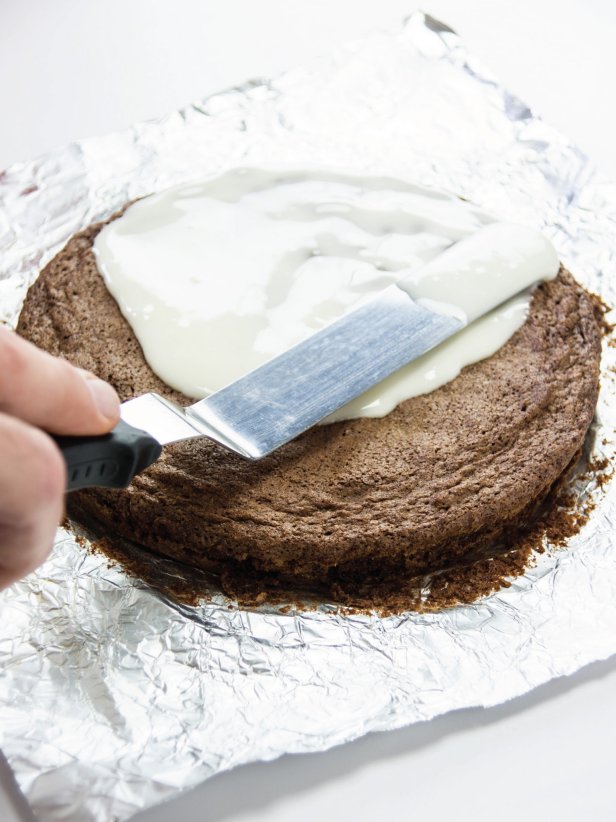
[{"x": 274, "y": 403}]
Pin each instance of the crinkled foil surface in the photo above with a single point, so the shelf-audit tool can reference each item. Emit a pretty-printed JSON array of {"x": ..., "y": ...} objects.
[{"x": 114, "y": 698}]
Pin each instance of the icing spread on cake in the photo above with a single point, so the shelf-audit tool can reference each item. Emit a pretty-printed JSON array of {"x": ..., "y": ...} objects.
[{"x": 217, "y": 277}]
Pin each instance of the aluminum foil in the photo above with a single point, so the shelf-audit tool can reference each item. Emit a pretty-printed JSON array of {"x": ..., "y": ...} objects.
[{"x": 114, "y": 698}]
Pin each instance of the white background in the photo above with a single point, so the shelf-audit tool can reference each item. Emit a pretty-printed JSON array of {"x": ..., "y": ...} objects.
[{"x": 70, "y": 69}]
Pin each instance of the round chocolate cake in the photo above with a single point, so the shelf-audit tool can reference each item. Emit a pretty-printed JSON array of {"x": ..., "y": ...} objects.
[{"x": 441, "y": 477}]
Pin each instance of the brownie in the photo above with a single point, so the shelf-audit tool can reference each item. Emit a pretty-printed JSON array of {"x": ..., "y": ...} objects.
[{"x": 440, "y": 477}]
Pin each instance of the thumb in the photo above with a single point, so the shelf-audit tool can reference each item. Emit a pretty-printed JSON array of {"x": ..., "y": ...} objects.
[{"x": 50, "y": 393}]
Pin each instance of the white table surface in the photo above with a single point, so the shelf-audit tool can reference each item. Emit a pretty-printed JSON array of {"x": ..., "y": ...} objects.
[{"x": 70, "y": 69}]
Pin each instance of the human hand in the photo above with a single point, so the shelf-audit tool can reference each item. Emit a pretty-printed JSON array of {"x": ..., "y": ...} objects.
[{"x": 38, "y": 391}]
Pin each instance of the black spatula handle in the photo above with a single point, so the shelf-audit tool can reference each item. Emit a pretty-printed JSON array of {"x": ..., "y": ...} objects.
[{"x": 110, "y": 460}]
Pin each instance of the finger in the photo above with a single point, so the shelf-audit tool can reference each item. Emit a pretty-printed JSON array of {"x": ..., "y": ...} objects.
[
  {"x": 32, "y": 483},
  {"x": 50, "y": 393}
]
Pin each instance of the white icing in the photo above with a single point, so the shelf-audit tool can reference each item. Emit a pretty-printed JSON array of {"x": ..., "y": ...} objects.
[
  {"x": 483, "y": 270},
  {"x": 218, "y": 277}
]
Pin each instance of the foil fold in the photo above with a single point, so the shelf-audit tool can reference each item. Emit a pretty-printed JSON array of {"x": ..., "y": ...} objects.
[{"x": 113, "y": 697}]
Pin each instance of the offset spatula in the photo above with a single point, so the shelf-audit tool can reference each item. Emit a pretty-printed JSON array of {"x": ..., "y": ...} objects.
[
  {"x": 272, "y": 404},
  {"x": 279, "y": 400}
]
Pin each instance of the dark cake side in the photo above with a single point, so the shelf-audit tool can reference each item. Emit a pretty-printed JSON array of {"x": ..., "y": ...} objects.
[{"x": 437, "y": 479}]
